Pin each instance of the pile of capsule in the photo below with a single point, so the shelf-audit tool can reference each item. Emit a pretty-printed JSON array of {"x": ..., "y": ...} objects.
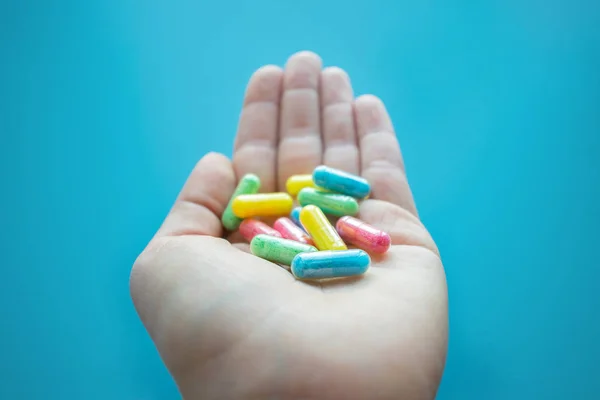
[{"x": 303, "y": 237}]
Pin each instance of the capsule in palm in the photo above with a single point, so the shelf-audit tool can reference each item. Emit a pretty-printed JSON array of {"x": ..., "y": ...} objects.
[
  {"x": 278, "y": 250},
  {"x": 330, "y": 264},
  {"x": 320, "y": 229},
  {"x": 249, "y": 184},
  {"x": 262, "y": 205},
  {"x": 289, "y": 230},
  {"x": 342, "y": 182},
  {"x": 331, "y": 203},
  {"x": 362, "y": 235},
  {"x": 295, "y": 183},
  {"x": 252, "y": 227}
]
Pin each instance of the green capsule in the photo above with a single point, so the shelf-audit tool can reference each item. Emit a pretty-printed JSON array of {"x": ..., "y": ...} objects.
[
  {"x": 335, "y": 204},
  {"x": 278, "y": 250},
  {"x": 249, "y": 184}
]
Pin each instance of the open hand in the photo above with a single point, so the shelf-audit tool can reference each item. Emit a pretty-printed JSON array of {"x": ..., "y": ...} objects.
[{"x": 229, "y": 325}]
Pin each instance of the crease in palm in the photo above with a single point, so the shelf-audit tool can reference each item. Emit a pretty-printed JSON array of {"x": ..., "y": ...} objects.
[{"x": 210, "y": 306}]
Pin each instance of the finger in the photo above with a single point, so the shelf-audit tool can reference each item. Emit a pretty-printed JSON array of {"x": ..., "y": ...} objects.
[
  {"x": 381, "y": 160},
  {"x": 403, "y": 227},
  {"x": 202, "y": 200},
  {"x": 339, "y": 133},
  {"x": 256, "y": 141},
  {"x": 300, "y": 137}
]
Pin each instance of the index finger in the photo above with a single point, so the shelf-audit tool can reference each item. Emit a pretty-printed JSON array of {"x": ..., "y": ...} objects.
[{"x": 256, "y": 142}]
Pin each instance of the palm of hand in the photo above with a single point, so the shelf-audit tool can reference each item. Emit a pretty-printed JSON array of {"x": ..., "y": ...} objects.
[{"x": 230, "y": 326}]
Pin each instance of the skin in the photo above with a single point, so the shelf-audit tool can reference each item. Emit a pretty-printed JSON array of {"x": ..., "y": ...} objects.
[{"x": 229, "y": 325}]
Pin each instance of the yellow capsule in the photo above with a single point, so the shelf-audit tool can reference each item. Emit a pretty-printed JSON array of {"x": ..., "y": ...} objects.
[
  {"x": 262, "y": 205},
  {"x": 296, "y": 183},
  {"x": 320, "y": 229}
]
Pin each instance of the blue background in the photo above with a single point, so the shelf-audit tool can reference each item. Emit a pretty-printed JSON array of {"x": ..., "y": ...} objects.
[{"x": 106, "y": 105}]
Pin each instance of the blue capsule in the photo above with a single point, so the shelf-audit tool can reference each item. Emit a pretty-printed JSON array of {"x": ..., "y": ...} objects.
[
  {"x": 330, "y": 264},
  {"x": 295, "y": 216},
  {"x": 341, "y": 182}
]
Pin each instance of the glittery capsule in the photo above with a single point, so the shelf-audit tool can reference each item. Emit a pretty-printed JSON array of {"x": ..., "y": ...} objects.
[
  {"x": 330, "y": 264},
  {"x": 289, "y": 230},
  {"x": 362, "y": 235},
  {"x": 252, "y": 227},
  {"x": 262, "y": 205},
  {"x": 331, "y": 203},
  {"x": 278, "y": 250},
  {"x": 295, "y": 183},
  {"x": 249, "y": 184},
  {"x": 320, "y": 229},
  {"x": 342, "y": 182}
]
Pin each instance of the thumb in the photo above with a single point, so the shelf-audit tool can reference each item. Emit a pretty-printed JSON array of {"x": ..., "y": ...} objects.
[{"x": 202, "y": 200}]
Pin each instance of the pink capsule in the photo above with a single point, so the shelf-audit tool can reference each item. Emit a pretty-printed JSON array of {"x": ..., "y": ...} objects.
[
  {"x": 363, "y": 235},
  {"x": 252, "y": 227},
  {"x": 289, "y": 230}
]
